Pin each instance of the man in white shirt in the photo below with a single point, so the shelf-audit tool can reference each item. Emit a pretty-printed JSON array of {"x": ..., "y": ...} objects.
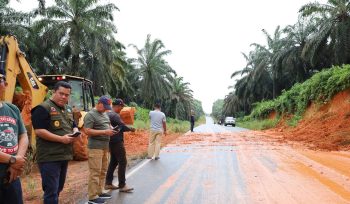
[{"x": 157, "y": 129}]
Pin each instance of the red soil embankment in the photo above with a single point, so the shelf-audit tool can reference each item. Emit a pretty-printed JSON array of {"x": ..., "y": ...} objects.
[{"x": 324, "y": 126}]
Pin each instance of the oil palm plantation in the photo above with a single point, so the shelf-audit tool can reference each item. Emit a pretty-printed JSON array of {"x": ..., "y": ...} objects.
[
  {"x": 155, "y": 73},
  {"x": 333, "y": 34},
  {"x": 180, "y": 99},
  {"x": 81, "y": 35},
  {"x": 13, "y": 22}
]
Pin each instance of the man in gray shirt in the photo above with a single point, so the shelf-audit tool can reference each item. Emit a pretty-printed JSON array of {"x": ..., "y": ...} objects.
[
  {"x": 97, "y": 126},
  {"x": 158, "y": 128}
]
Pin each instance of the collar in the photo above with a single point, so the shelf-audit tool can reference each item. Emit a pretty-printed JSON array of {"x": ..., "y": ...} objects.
[{"x": 63, "y": 108}]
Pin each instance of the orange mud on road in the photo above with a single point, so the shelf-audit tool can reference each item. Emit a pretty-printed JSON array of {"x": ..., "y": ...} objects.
[
  {"x": 226, "y": 167},
  {"x": 259, "y": 169}
]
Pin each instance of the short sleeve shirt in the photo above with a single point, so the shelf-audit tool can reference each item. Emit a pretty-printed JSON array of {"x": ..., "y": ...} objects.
[
  {"x": 157, "y": 118},
  {"x": 98, "y": 121},
  {"x": 11, "y": 127}
]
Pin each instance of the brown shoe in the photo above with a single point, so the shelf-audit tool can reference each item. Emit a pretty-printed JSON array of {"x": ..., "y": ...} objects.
[
  {"x": 111, "y": 187},
  {"x": 126, "y": 189}
]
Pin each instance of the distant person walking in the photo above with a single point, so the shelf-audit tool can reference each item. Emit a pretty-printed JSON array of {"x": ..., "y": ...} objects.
[
  {"x": 53, "y": 121},
  {"x": 98, "y": 128},
  {"x": 192, "y": 120},
  {"x": 117, "y": 149},
  {"x": 157, "y": 129},
  {"x": 13, "y": 147}
]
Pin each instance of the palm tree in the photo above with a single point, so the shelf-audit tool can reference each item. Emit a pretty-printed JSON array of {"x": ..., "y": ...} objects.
[
  {"x": 180, "y": 98},
  {"x": 13, "y": 22},
  {"x": 295, "y": 68},
  {"x": 155, "y": 73},
  {"x": 80, "y": 30},
  {"x": 333, "y": 33}
]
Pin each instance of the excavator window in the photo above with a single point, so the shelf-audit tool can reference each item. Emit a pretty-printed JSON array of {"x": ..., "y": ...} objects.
[{"x": 81, "y": 95}]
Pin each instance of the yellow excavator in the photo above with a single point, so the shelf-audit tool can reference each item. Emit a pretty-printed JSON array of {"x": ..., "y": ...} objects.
[
  {"x": 18, "y": 72},
  {"x": 33, "y": 89}
]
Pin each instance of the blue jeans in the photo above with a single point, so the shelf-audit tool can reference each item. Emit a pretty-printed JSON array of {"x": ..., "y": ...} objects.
[
  {"x": 11, "y": 193},
  {"x": 53, "y": 176}
]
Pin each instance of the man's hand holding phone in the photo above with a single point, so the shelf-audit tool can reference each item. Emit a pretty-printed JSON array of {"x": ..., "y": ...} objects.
[{"x": 75, "y": 134}]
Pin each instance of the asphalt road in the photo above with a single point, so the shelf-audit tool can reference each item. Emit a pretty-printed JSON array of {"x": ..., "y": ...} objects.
[
  {"x": 181, "y": 171},
  {"x": 218, "y": 164}
]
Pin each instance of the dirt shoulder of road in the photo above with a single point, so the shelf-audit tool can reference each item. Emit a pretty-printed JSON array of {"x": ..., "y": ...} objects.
[{"x": 75, "y": 188}]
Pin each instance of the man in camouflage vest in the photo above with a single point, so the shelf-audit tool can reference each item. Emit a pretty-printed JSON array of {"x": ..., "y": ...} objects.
[{"x": 53, "y": 122}]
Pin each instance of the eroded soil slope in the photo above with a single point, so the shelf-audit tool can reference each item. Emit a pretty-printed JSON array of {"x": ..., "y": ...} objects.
[{"x": 324, "y": 126}]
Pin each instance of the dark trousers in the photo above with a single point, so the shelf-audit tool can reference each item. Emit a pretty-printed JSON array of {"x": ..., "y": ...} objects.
[
  {"x": 118, "y": 158},
  {"x": 192, "y": 126},
  {"x": 11, "y": 193},
  {"x": 53, "y": 176}
]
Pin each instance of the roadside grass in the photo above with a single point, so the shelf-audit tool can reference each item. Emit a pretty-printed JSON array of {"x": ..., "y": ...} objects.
[
  {"x": 200, "y": 121},
  {"x": 173, "y": 125},
  {"x": 258, "y": 124}
]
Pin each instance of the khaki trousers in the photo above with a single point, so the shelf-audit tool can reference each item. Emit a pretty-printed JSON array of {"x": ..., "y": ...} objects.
[
  {"x": 154, "y": 143},
  {"x": 98, "y": 163}
]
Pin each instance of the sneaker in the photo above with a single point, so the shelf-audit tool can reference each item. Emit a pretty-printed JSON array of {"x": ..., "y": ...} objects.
[
  {"x": 126, "y": 189},
  {"x": 97, "y": 201},
  {"x": 157, "y": 158},
  {"x": 111, "y": 187},
  {"x": 105, "y": 196}
]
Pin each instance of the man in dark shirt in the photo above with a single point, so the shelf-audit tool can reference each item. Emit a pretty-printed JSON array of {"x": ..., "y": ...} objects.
[
  {"x": 117, "y": 149},
  {"x": 53, "y": 123},
  {"x": 192, "y": 120}
]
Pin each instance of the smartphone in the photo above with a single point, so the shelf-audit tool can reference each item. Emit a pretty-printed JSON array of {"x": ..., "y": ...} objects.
[
  {"x": 116, "y": 128},
  {"x": 76, "y": 134}
]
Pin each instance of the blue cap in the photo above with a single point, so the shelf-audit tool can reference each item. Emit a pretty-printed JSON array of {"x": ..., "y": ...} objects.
[{"x": 106, "y": 101}]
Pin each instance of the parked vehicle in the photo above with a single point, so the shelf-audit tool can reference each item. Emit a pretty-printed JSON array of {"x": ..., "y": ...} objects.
[{"x": 230, "y": 121}]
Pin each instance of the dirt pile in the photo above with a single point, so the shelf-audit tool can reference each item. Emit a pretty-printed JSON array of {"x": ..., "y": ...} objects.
[{"x": 324, "y": 126}]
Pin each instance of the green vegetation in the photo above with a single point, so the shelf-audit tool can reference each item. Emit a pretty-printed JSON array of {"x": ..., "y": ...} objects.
[
  {"x": 200, "y": 121},
  {"x": 78, "y": 38},
  {"x": 257, "y": 124},
  {"x": 291, "y": 55},
  {"x": 319, "y": 89},
  {"x": 216, "y": 111},
  {"x": 173, "y": 125}
]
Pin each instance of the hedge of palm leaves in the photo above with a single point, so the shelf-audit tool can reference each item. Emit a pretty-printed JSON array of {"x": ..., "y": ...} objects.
[{"x": 320, "y": 88}]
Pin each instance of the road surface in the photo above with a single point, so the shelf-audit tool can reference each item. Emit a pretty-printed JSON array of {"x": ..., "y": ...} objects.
[{"x": 218, "y": 164}]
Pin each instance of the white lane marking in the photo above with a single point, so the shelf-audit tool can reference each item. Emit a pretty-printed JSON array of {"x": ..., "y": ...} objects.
[{"x": 137, "y": 168}]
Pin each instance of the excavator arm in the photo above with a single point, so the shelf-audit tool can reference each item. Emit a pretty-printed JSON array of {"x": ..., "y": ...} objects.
[{"x": 16, "y": 69}]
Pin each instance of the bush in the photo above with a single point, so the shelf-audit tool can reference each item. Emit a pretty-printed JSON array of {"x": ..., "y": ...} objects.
[
  {"x": 320, "y": 88},
  {"x": 256, "y": 124}
]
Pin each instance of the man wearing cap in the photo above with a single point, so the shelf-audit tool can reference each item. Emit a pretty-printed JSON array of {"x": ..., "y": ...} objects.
[
  {"x": 53, "y": 122},
  {"x": 117, "y": 149},
  {"x": 97, "y": 126},
  {"x": 13, "y": 148}
]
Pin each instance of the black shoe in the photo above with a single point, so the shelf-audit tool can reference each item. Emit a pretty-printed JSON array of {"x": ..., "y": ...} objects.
[
  {"x": 105, "y": 196},
  {"x": 157, "y": 158},
  {"x": 97, "y": 201}
]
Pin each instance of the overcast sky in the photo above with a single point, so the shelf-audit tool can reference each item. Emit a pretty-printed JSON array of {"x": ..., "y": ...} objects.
[{"x": 206, "y": 37}]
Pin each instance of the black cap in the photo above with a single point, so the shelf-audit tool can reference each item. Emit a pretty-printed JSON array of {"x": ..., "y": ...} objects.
[{"x": 118, "y": 101}]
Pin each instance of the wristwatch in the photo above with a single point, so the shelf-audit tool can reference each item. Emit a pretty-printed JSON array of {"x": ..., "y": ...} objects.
[{"x": 12, "y": 160}]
